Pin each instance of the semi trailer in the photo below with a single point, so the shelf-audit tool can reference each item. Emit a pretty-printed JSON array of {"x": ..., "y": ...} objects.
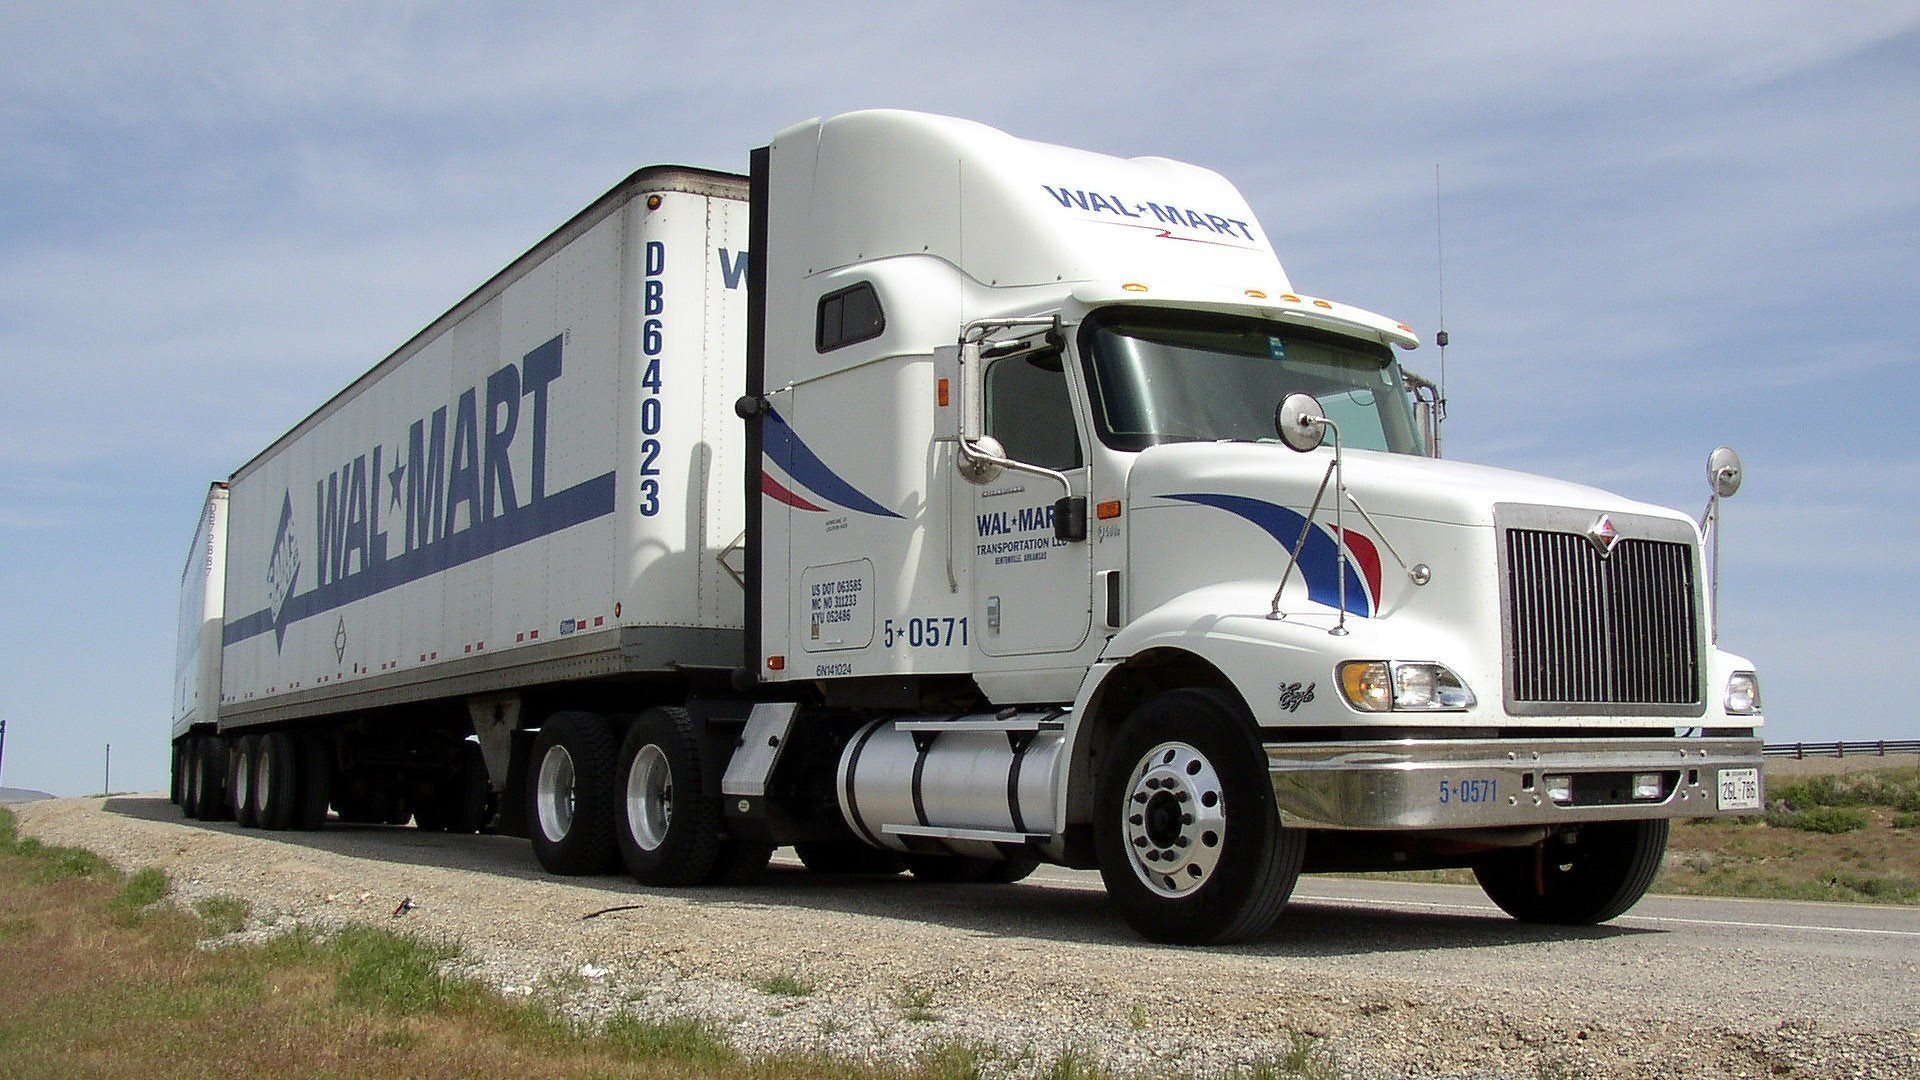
[{"x": 931, "y": 499}]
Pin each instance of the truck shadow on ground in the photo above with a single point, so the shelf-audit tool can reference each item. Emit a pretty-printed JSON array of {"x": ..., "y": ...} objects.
[{"x": 1039, "y": 908}]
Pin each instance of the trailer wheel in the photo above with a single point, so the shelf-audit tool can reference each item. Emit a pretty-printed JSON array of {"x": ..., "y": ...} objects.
[
  {"x": 848, "y": 857},
  {"x": 274, "y": 777},
  {"x": 571, "y": 801},
  {"x": 312, "y": 783},
  {"x": 210, "y": 771},
  {"x": 1187, "y": 833},
  {"x": 1579, "y": 877},
  {"x": 177, "y": 776},
  {"x": 190, "y": 784},
  {"x": 669, "y": 831},
  {"x": 242, "y": 759}
]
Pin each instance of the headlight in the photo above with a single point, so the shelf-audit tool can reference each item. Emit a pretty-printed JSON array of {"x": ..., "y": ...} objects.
[
  {"x": 1743, "y": 693},
  {"x": 1403, "y": 686}
]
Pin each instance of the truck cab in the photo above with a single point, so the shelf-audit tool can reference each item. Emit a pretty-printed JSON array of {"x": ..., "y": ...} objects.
[{"x": 1028, "y": 498}]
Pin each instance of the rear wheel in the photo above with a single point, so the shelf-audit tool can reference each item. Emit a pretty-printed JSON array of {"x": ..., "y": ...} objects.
[
  {"x": 570, "y": 801},
  {"x": 190, "y": 779},
  {"x": 1187, "y": 833},
  {"x": 274, "y": 777},
  {"x": 1575, "y": 878},
  {"x": 210, "y": 773},
  {"x": 242, "y": 761},
  {"x": 668, "y": 831},
  {"x": 177, "y": 775}
]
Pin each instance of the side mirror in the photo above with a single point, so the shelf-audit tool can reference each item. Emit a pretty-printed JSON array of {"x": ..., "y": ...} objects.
[
  {"x": 1724, "y": 471},
  {"x": 978, "y": 469},
  {"x": 1297, "y": 420}
]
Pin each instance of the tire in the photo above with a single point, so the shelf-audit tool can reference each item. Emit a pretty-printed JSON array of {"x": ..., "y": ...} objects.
[
  {"x": 190, "y": 782},
  {"x": 275, "y": 776},
  {"x": 463, "y": 801},
  {"x": 968, "y": 870},
  {"x": 212, "y": 770},
  {"x": 1186, "y": 830},
  {"x": 570, "y": 794},
  {"x": 177, "y": 775},
  {"x": 312, "y": 786},
  {"x": 243, "y": 756},
  {"x": 669, "y": 832},
  {"x": 1576, "y": 878},
  {"x": 848, "y": 857}
]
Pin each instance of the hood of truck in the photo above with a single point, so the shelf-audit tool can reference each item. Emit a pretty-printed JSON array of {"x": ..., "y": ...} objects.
[{"x": 1387, "y": 485}]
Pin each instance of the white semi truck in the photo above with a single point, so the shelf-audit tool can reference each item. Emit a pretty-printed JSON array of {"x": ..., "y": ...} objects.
[{"x": 935, "y": 499}]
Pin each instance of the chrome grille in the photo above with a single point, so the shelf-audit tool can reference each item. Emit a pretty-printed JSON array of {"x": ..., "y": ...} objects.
[{"x": 1620, "y": 630}]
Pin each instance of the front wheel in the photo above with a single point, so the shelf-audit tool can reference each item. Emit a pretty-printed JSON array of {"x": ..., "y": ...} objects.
[
  {"x": 1579, "y": 877},
  {"x": 1187, "y": 833}
]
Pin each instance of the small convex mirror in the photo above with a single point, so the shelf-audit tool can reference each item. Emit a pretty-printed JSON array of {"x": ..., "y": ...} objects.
[
  {"x": 978, "y": 469},
  {"x": 1724, "y": 471},
  {"x": 1297, "y": 421}
]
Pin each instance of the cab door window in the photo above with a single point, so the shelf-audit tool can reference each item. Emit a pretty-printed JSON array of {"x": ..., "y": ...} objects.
[{"x": 1030, "y": 411}]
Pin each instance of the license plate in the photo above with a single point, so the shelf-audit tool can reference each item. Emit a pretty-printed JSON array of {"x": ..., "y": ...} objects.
[{"x": 1739, "y": 789}]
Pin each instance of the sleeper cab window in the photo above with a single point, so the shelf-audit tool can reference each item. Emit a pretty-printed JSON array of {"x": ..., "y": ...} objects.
[{"x": 847, "y": 316}]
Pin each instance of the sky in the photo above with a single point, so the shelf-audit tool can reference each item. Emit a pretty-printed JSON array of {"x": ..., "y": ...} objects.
[{"x": 1666, "y": 227}]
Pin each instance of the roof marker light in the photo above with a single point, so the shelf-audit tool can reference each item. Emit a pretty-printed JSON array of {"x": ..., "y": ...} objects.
[
  {"x": 1323, "y": 304},
  {"x": 1256, "y": 294},
  {"x": 653, "y": 202},
  {"x": 1290, "y": 298},
  {"x": 1134, "y": 286}
]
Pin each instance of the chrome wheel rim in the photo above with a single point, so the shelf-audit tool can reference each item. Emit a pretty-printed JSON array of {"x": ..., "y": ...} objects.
[
  {"x": 553, "y": 794},
  {"x": 242, "y": 780},
  {"x": 649, "y": 798},
  {"x": 262, "y": 779},
  {"x": 1175, "y": 819}
]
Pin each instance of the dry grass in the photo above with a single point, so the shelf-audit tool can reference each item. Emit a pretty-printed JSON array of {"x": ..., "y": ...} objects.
[{"x": 106, "y": 978}]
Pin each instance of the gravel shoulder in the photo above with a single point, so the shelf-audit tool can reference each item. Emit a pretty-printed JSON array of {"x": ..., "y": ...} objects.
[{"x": 1029, "y": 971}]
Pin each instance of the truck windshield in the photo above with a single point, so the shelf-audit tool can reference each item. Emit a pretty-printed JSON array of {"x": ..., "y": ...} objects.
[{"x": 1160, "y": 376}]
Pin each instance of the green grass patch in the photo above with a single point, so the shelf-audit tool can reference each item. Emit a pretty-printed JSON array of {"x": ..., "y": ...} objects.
[
  {"x": 1896, "y": 789},
  {"x": 144, "y": 889},
  {"x": 1908, "y": 820},
  {"x": 684, "y": 1039},
  {"x": 1305, "y": 1057},
  {"x": 398, "y": 972},
  {"x": 784, "y": 984},
  {"x": 954, "y": 1061},
  {"x": 222, "y": 915},
  {"x": 1074, "y": 1063},
  {"x": 1829, "y": 819},
  {"x": 916, "y": 1004}
]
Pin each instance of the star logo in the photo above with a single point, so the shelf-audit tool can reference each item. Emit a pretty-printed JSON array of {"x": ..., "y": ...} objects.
[{"x": 394, "y": 477}]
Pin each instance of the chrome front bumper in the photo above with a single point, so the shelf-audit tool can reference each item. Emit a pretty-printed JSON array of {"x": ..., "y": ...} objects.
[{"x": 1489, "y": 783}]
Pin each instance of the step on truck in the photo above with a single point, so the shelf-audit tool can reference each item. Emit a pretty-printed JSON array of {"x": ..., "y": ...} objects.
[{"x": 930, "y": 499}]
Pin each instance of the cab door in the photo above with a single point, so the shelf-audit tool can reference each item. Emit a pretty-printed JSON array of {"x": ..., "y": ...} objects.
[{"x": 1032, "y": 590}]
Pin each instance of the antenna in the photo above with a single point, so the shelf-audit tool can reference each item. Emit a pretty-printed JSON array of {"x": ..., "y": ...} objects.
[
  {"x": 1440, "y": 273},
  {"x": 1435, "y": 411}
]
